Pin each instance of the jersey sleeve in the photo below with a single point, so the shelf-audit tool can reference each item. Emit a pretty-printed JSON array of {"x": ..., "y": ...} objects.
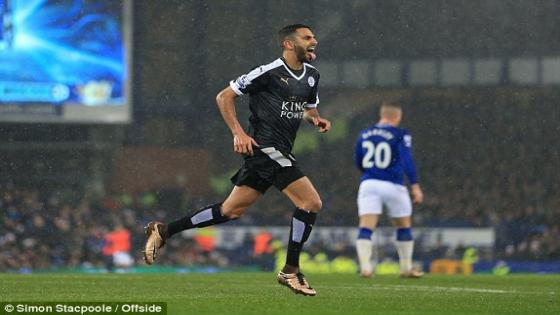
[
  {"x": 313, "y": 99},
  {"x": 409, "y": 168},
  {"x": 251, "y": 82},
  {"x": 358, "y": 154}
]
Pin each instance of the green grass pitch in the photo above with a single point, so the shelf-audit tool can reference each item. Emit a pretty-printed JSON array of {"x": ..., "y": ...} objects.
[{"x": 258, "y": 293}]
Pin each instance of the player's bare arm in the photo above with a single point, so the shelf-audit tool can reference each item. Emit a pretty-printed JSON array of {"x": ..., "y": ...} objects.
[
  {"x": 312, "y": 116},
  {"x": 242, "y": 142},
  {"x": 417, "y": 194}
]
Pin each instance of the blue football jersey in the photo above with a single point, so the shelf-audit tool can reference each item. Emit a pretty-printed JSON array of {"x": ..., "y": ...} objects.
[{"x": 383, "y": 152}]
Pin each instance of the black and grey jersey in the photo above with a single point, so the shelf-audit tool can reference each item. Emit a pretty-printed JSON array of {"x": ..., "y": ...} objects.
[{"x": 278, "y": 99}]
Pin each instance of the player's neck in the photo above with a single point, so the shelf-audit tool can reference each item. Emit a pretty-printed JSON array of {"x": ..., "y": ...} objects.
[
  {"x": 292, "y": 61},
  {"x": 385, "y": 121}
]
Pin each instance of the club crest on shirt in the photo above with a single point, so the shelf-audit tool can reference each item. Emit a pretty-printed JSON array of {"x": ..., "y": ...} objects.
[{"x": 311, "y": 81}]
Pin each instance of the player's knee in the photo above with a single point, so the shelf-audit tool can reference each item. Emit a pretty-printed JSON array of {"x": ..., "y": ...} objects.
[
  {"x": 234, "y": 213},
  {"x": 313, "y": 205}
]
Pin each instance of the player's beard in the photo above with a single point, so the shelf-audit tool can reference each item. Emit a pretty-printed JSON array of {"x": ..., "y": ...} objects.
[{"x": 302, "y": 55}]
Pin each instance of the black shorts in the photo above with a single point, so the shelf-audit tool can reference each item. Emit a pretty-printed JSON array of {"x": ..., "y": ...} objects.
[{"x": 261, "y": 171}]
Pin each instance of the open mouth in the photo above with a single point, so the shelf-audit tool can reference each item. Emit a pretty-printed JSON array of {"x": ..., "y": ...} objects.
[{"x": 310, "y": 53}]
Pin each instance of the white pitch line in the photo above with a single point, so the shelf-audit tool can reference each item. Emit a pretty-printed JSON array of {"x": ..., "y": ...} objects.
[{"x": 429, "y": 288}]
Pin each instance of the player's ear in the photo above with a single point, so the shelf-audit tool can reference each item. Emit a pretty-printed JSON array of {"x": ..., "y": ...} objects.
[{"x": 288, "y": 44}]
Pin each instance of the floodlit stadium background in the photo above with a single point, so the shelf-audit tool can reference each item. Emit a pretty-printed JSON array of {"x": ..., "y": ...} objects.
[{"x": 479, "y": 84}]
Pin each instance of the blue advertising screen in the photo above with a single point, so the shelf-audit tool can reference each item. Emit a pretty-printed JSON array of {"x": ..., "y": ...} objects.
[{"x": 62, "y": 59}]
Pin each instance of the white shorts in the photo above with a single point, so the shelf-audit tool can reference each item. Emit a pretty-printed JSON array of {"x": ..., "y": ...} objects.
[
  {"x": 373, "y": 194},
  {"x": 123, "y": 259}
]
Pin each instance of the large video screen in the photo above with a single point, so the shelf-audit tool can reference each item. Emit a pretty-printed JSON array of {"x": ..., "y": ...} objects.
[{"x": 65, "y": 60}]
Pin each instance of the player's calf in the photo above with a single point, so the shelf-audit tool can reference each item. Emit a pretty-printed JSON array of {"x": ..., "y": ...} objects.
[
  {"x": 157, "y": 232},
  {"x": 405, "y": 246},
  {"x": 364, "y": 249}
]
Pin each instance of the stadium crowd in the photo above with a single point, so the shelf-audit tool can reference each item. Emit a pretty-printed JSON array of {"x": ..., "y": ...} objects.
[
  {"x": 485, "y": 160},
  {"x": 43, "y": 231}
]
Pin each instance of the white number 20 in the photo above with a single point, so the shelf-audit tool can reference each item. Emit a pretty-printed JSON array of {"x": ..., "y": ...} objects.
[{"x": 379, "y": 156}]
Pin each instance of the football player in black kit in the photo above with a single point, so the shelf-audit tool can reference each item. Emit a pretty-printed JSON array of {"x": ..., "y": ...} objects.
[{"x": 282, "y": 93}]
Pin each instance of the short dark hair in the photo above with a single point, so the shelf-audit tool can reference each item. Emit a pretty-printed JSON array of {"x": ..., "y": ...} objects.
[{"x": 289, "y": 30}]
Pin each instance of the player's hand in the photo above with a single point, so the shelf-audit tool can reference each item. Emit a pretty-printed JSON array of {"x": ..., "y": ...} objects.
[
  {"x": 417, "y": 194},
  {"x": 243, "y": 144},
  {"x": 323, "y": 124}
]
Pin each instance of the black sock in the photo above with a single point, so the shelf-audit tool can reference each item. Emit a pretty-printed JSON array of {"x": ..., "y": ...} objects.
[
  {"x": 300, "y": 229},
  {"x": 206, "y": 216}
]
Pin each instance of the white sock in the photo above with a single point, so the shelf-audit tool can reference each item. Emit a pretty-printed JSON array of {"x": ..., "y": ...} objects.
[
  {"x": 405, "y": 249},
  {"x": 364, "y": 248}
]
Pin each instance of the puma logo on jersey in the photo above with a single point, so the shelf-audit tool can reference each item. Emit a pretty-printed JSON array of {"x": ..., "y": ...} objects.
[{"x": 285, "y": 80}]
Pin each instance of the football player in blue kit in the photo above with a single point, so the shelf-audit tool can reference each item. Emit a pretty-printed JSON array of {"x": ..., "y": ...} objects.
[
  {"x": 281, "y": 95},
  {"x": 383, "y": 154}
]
